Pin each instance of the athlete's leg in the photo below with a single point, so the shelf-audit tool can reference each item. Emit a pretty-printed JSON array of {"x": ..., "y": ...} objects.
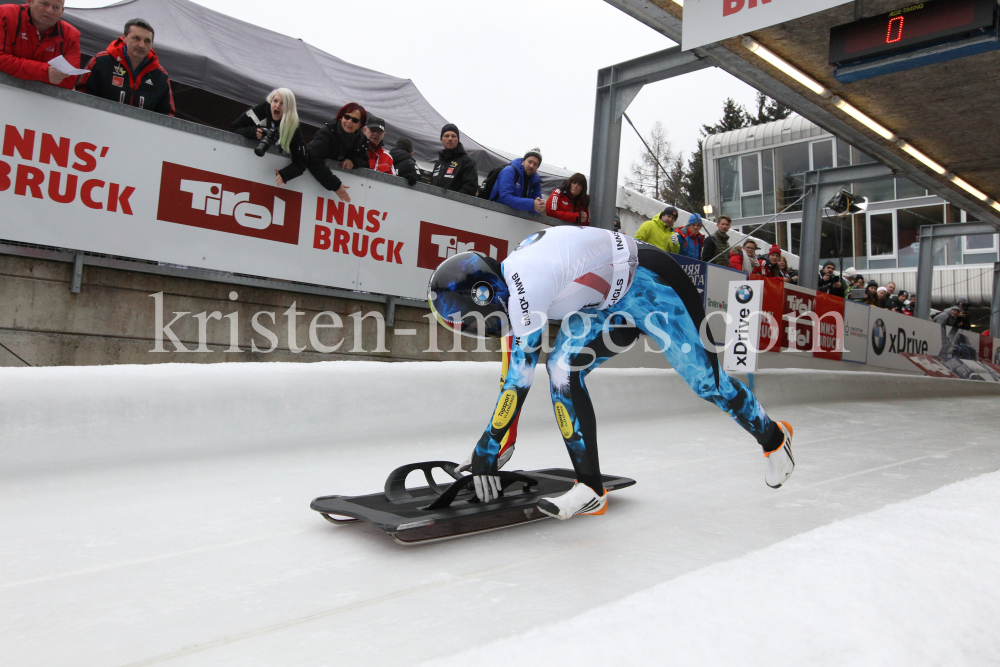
[
  {"x": 667, "y": 307},
  {"x": 585, "y": 340},
  {"x": 507, "y": 444}
]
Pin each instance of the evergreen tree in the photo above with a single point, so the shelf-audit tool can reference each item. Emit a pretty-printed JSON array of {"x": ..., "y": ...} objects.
[
  {"x": 694, "y": 180},
  {"x": 769, "y": 110},
  {"x": 673, "y": 191}
]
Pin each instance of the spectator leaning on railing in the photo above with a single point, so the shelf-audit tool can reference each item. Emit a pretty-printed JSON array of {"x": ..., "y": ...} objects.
[
  {"x": 744, "y": 258},
  {"x": 341, "y": 141},
  {"x": 378, "y": 158},
  {"x": 688, "y": 238},
  {"x": 33, "y": 34},
  {"x": 659, "y": 230},
  {"x": 793, "y": 275},
  {"x": 519, "y": 185},
  {"x": 716, "y": 248},
  {"x": 129, "y": 72},
  {"x": 455, "y": 169},
  {"x": 570, "y": 202},
  {"x": 277, "y": 120},
  {"x": 404, "y": 162}
]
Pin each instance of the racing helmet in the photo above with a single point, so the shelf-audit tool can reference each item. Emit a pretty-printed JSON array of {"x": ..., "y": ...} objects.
[{"x": 467, "y": 294}]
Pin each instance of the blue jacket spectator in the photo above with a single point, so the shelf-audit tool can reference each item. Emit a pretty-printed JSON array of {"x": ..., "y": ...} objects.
[
  {"x": 519, "y": 185},
  {"x": 689, "y": 238}
]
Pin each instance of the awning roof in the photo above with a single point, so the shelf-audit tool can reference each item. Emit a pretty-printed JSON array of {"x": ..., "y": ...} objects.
[{"x": 211, "y": 51}]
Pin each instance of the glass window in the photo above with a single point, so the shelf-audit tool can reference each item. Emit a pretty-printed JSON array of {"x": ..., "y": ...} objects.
[
  {"x": 750, "y": 167},
  {"x": 861, "y": 158},
  {"x": 981, "y": 258},
  {"x": 790, "y": 164},
  {"x": 880, "y": 238},
  {"x": 908, "y": 223},
  {"x": 843, "y": 153},
  {"x": 881, "y": 190},
  {"x": 879, "y": 264},
  {"x": 795, "y": 237},
  {"x": 752, "y": 206},
  {"x": 767, "y": 176},
  {"x": 766, "y": 233},
  {"x": 980, "y": 242},
  {"x": 835, "y": 239},
  {"x": 907, "y": 189},
  {"x": 729, "y": 176},
  {"x": 822, "y": 154}
]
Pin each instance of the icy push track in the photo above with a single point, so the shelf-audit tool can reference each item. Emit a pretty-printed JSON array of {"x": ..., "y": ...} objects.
[{"x": 160, "y": 516}]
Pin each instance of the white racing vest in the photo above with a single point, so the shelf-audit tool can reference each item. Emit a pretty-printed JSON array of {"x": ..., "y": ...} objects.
[{"x": 562, "y": 270}]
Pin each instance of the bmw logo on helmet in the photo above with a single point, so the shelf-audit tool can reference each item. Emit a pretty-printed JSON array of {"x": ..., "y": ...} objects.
[
  {"x": 878, "y": 337},
  {"x": 744, "y": 293},
  {"x": 482, "y": 293}
]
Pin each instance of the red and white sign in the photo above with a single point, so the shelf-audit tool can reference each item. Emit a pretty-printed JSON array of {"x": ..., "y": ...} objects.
[
  {"x": 708, "y": 21},
  {"x": 71, "y": 177},
  {"x": 930, "y": 365},
  {"x": 204, "y": 199},
  {"x": 438, "y": 243}
]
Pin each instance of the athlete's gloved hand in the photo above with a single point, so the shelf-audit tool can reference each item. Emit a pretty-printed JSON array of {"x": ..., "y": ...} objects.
[
  {"x": 485, "y": 479},
  {"x": 487, "y": 487},
  {"x": 505, "y": 454}
]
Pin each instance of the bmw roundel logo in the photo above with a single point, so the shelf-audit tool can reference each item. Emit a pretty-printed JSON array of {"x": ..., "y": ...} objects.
[
  {"x": 534, "y": 238},
  {"x": 482, "y": 294},
  {"x": 878, "y": 337},
  {"x": 744, "y": 293}
]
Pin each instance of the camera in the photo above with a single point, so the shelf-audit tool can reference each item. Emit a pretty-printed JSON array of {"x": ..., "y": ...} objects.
[
  {"x": 270, "y": 136},
  {"x": 857, "y": 294}
]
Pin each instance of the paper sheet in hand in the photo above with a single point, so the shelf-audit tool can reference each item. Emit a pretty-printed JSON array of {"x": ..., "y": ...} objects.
[{"x": 61, "y": 64}]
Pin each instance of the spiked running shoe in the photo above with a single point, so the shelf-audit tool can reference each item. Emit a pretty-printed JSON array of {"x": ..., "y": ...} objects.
[
  {"x": 581, "y": 499},
  {"x": 780, "y": 462}
]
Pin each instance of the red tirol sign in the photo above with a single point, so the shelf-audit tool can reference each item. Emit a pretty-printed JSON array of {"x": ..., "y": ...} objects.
[
  {"x": 208, "y": 200},
  {"x": 438, "y": 243}
]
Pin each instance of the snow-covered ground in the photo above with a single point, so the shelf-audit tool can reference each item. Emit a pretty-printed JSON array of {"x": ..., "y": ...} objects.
[{"x": 159, "y": 516}]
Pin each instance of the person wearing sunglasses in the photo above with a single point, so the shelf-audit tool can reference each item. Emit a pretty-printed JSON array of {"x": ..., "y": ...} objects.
[{"x": 341, "y": 141}]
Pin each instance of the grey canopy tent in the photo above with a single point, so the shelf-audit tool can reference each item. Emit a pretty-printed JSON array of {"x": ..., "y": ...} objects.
[{"x": 219, "y": 66}]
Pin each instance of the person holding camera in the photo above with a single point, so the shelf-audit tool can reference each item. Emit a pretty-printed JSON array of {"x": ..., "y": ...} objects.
[
  {"x": 341, "y": 141},
  {"x": 276, "y": 122}
]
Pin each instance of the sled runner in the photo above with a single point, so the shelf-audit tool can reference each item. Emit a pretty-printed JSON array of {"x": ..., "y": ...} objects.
[{"x": 439, "y": 512}]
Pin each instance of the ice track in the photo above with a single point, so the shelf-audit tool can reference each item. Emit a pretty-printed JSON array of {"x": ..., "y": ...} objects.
[{"x": 158, "y": 515}]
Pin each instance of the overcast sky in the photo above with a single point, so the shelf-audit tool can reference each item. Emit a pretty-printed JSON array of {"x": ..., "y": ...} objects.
[{"x": 513, "y": 75}]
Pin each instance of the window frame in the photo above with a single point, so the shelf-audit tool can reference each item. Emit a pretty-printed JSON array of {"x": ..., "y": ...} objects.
[
  {"x": 833, "y": 153},
  {"x": 868, "y": 234}
]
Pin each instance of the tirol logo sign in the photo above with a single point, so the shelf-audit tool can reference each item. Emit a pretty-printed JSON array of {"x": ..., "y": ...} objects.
[
  {"x": 208, "y": 200},
  {"x": 438, "y": 243}
]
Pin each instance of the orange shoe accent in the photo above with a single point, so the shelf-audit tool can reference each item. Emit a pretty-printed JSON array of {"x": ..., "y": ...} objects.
[{"x": 789, "y": 427}]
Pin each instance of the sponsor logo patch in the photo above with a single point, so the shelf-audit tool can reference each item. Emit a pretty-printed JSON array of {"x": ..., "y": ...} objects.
[
  {"x": 438, "y": 243},
  {"x": 565, "y": 423},
  {"x": 505, "y": 409},
  {"x": 117, "y": 81}
]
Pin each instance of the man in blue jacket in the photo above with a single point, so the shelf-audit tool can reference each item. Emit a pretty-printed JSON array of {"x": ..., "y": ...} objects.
[{"x": 519, "y": 185}]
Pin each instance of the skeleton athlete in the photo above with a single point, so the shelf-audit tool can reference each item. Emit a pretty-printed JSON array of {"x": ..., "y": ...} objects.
[{"x": 608, "y": 290}]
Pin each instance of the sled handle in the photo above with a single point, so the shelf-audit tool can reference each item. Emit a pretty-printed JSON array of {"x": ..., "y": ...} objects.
[
  {"x": 506, "y": 479},
  {"x": 395, "y": 485}
]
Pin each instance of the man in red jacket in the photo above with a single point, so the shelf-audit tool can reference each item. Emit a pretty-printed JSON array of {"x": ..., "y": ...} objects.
[
  {"x": 33, "y": 34},
  {"x": 378, "y": 158},
  {"x": 129, "y": 72}
]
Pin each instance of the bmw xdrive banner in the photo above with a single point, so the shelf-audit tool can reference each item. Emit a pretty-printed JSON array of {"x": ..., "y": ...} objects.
[{"x": 743, "y": 325}]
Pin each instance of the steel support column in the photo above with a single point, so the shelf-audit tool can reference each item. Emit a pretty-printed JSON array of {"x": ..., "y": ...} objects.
[
  {"x": 820, "y": 187},
  {"x": 617, "y": 86},
  {"x": 995, "y": 308},
  {"x": 925, "y": 265}
]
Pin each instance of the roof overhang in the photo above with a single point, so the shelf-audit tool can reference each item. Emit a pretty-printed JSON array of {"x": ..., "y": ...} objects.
[{"x": 917, "y": 105}]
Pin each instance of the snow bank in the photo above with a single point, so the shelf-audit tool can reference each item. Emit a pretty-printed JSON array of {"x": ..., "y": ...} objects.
[{"x": 916, "y": 583}]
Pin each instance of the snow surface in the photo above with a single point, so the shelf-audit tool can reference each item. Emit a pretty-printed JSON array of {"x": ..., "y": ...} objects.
[{"x": 158, "y": 515}]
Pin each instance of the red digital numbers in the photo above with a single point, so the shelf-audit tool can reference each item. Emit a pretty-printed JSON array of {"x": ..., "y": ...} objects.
[{"x": 889, "y": 39}]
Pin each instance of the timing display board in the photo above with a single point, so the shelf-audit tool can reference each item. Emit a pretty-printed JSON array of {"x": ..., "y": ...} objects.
[{"x": 910, "y": 27}]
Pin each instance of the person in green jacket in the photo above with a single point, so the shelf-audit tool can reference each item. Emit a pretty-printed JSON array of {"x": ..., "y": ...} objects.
[{"x": 659, "y": 230}]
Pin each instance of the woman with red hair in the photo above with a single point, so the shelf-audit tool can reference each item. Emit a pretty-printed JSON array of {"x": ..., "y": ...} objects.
[{"x": 341, "y": 141}]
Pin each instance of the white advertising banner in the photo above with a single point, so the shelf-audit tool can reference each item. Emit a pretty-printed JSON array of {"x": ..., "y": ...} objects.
[
  {"x": 81, "y": 178},
  {"x": 709, "y": 21},
  {"x": 892, "y": 334},
  {"x": 743, "y": 325}
]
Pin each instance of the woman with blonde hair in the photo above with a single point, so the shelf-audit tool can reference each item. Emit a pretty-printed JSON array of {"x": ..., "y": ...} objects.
[{"x": 276, "y": 122}]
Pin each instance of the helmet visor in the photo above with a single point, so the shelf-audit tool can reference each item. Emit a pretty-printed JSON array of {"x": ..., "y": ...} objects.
[{"x": 474, "y": 323}]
